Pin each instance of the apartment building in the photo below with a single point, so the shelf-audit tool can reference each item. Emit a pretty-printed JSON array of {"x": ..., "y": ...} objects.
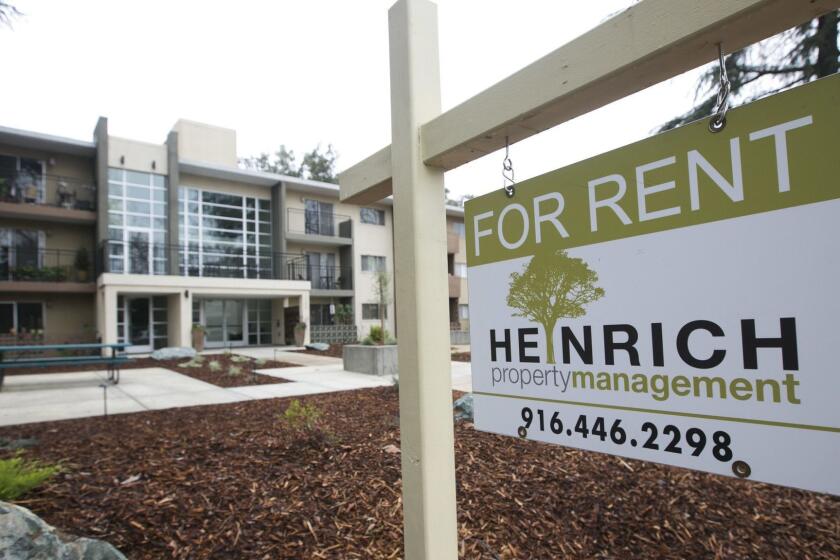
[{"x": 119, "y": 240}]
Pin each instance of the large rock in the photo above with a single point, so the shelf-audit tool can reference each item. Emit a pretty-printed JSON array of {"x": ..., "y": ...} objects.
[
  {"x": 173, "y": 353},
  {"x": 464, "y": 408},
  {"x": 24, "y": 536}
]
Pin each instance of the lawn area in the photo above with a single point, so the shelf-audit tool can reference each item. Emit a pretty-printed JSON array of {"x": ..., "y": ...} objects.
[{"x": 235, "y": 481}]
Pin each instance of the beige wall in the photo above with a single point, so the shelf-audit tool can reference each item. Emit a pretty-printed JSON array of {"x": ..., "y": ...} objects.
[
  {"x": 138, "y": 156},
  {"x": 67, "y": 317},
  {"x": 206, "y": 143},
  {"x": 66, "y": 237}
]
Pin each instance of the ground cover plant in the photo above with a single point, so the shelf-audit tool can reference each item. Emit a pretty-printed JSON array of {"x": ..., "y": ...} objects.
[
  {"x": 236, "y": 481},
  {"x": 19, "y": 475},
  {"x": 222, "y": 370}
]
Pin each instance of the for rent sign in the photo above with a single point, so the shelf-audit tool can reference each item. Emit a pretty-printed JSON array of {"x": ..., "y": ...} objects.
[{"x": 674, "y": 300}]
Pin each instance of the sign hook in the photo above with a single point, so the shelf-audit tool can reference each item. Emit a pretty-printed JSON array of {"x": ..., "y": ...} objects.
[
  {"x": 508, "y": 182},
  {"x": 718, "y": 120}
]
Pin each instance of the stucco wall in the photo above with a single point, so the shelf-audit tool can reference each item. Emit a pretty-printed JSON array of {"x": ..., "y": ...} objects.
[
  {"x": 205, "y": 142},
  {"x": 76, "y": 169},
  {"x": 67, "y": 317},
  {"x": 67, "y": 237},
  {"x": 137, "y": 156}
]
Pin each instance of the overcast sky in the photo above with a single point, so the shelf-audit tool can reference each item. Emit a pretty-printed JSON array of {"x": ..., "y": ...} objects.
[{"x": 296, "y": 72}]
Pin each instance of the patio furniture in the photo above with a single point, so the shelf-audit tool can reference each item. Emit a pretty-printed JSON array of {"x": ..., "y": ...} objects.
[{"x": 109, "y": 355}]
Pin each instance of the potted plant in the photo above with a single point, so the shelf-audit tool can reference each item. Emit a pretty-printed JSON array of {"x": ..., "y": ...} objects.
[
  {"x": 300, "y": 333},
  {"x": 82, "y": 264},
  {"x": 198, "y": 337}
]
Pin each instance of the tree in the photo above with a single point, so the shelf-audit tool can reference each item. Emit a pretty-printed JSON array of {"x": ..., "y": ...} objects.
[
  {"x": 7, "y": 13},
  {"x": 382, "y": 292},
  {"x": 553, "y": 285},
  {"x": 796, "y": 56},
  {"x": 283, "y": 162},
  {"x": 320, "y": 166}
]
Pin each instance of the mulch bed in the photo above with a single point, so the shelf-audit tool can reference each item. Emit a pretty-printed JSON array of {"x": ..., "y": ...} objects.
[
  {"x": 234, "y": 481},
  {"x": 334, "y": 351},
  {"x": 461, "y": 357},
  {"x": 222, "y": 377}
]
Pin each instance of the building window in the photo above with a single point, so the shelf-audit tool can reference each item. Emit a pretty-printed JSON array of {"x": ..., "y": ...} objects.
[
  {"x": 224, "y": 235},
  {"x": 458, "y": 227},
  {"x": 372, "y": 216},
  {"x": 259, "y": 321},
  {"x": 463, "y": 311},
  {"x": 318, "y": 218},
  {"x": 21, "y": 317},
  {"x": 21, "y": 253},
  {"x": 371, "y": 263},
  {"x": 460, "y": 270},
  {"x": 370, "y": 311},
  {"x": 25, "y": 178},
  {"x": 321, "y": 314},
  {"x": 136, "y": 222}
]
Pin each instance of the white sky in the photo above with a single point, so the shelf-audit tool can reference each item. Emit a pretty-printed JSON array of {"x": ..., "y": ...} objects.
[{"x": 297, "y": 73}]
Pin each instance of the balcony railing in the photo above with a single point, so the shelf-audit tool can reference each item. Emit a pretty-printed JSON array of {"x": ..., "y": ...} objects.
[
  {"x": 326, "y": 224},
  {"x": 45, "y": 265},
  {"x": 47, "y": 190},
  {"x": 327, "y": 277}
]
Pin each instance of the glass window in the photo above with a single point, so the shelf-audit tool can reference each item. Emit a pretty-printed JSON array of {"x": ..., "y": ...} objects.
[
  {"x": 464, "y": 311},
  {"x": 372, "y": 216},
  {"x": 458, "y": 227},
  {"x": 7, "y": 317},
  {"x": 371, "y": 263},
  {"x": 370, "y": 311},
  {"x": 461, "y": 270},
  {"x": 30, "y": 316}
]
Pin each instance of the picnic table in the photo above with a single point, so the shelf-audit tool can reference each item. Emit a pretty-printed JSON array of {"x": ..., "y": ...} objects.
[{"x": 109, "y": 355}]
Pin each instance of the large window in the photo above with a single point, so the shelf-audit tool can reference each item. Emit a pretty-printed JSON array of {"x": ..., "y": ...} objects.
[
  {"x": 458, "y": 227},
  {"x": 224, "y": 235},
  {"x": 22, "y": 179},
  {"x": 21, "y": 317},
  {"x": 319, "y": 217},
  {"x": 460, "y": 270},
  {"x": 372, "y": 216},
  {"x": 371, "y": 311},
  {"x": 136, "y": 222},
  {"x": 372, "y": 263},
  {"x": 463, "y": 311},
  {"x": 20, "y": 250}
]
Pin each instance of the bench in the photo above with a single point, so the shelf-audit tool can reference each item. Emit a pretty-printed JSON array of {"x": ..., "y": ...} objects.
[{"x": 111, "y": 360}]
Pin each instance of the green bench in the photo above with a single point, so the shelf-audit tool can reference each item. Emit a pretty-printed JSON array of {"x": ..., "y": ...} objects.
[{"x": 108, "y": 355}]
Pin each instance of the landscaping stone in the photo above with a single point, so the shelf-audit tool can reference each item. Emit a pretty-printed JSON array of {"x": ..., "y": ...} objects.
[
  {"x": 25, "y": 536},
  {"x": 173, "y": 353},
  {"x": 319, "y": 346},
  {"x": 373, "y": 360},
  {"x": 464, "y": 408}
]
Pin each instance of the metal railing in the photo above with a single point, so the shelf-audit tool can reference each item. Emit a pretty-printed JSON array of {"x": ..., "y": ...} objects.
[
  {"x": 47, "y": 190},
  {"x": 326, "y": 224},
  {"x": 326, "y": 277},
  {"x": 45, "y": 265}
]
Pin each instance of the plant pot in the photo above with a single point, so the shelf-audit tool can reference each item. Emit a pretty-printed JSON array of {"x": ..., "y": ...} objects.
[
  {"x": 82, "y": 275},
  {"x": 198, "y": 340},
  {"x": 300, "y": 335}
]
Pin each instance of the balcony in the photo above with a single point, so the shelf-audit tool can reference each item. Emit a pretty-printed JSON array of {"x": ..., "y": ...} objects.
[
  {"x": 334, "y": 281},
  {"x": 453, "y": 242},
  {"x": 45, "y": 270},
  {"x": 322, "y": 228},
  {"x": 141, "y": 257},
  {"x": 454, "y": 286},
  {"x": 47, "y": 197}
]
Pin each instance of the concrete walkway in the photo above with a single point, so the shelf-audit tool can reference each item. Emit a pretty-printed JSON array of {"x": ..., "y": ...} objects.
[{"x": 61, "y": 396}]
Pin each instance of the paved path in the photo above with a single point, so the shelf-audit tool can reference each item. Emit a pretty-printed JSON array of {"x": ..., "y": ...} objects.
[{"x": 60, "y": 396}]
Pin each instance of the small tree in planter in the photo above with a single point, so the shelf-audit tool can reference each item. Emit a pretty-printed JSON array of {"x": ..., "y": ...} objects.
[
  {"x": 82, "y": 264},
  {"x": 198, "y": 336},
  {"x": 381, "y": 289},
  {"x": 300, "y": 333}
]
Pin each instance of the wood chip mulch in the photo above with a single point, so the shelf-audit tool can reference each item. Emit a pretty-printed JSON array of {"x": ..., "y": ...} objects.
[
  {"x": 224, "y": 376},
  {"x": 234, "y": 481}
]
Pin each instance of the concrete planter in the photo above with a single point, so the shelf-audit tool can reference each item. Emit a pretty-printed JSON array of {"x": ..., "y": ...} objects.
[{"x": 373, "y": 360}]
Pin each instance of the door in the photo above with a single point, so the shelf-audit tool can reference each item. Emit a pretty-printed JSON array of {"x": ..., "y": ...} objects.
[
  {"x": 224, "y": 322},
  {"x": 139, "y": 252},
  {"x": 313, "y": 269},
  {"x": 138, "y": 315}
]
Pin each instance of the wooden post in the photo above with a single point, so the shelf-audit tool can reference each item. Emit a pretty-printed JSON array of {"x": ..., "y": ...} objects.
[{"x": 426, "y": 425}]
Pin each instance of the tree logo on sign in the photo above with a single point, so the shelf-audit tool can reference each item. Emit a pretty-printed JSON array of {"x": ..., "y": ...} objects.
[{"x": 553, "y": 286}]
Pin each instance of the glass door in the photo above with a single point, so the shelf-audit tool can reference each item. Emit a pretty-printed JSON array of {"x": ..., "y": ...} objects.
[
  {"x": 224, "y": 322},
  {"x": 139, "y": 252},
  {"x": 139, "y": 323},
  {"x": 214, "y": 322},
  {"x": 235, "y": 322}
]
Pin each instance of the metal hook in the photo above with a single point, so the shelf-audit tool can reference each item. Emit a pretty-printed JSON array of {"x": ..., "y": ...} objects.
[
  {"x": 507, "y": 168},
  {"x": 718, "y": 120}
]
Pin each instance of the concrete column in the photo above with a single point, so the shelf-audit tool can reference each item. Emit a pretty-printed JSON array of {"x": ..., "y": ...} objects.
[
  {"x": 278, "y": 228},
  {"x": 106, "y": 315},
  {"x": 179, "y": 317},
  {"x": 278, "y": 321},
  {"x": 426, "y": 425},
  {"x": 172, "y": 185},
  {"x": 100, "y": 138},
  {"x": 304, "y": 316}
]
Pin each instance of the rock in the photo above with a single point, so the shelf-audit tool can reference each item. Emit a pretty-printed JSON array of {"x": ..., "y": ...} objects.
[
  {"x": 19, "y": 443},
  {"x": 391, "y": 448},
  {"x": 173, "y": 353},
  {"x": 24, "y": 536},
  {"x": 319, "y": 346},
  {"x": 464, "y": 408}
]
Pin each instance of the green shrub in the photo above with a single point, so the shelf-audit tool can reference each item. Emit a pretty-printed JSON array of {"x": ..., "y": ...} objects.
[
  {"x": 234, "y": 371},
  {"x": 377, "y": 335},
  {"x": 367, "y": 341},
  {"x": 302, "y": 417},
  {"x": 18, "y": 476},
  {"x": 215, "y": 365}
]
